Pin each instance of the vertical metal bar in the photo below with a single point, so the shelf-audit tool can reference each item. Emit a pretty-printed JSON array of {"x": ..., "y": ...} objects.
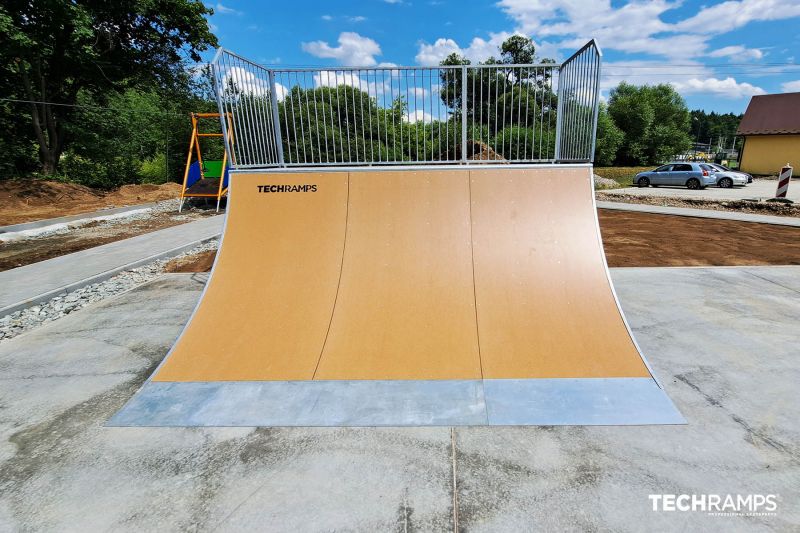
[
  {"x": 276, "y": 126},
  {"x": 472, "y": 95},
  {"x": 215, "y": 68},
  {"x": 381, "y": 109},
  {"x": 550, "y": 115},
  {"x": 300, "y": 112},
  {"x": 242, "y": 118},
  {"x": 394, "y": 126},
  {"x": 527, "y": 109},
  {"x": 316, "y": 119},
  {"x": 408, "y": 113},
  {"x": 464, "y": 113},
  {"x": 447, "y": 116},
  {"x": 559, "y": 112},
  {"x": 430, "y": 83},
  {"x": 363, "y": 118},
  {"x": 584, "y": 106},
  {"x": 482, "y": 107},
  {"x": 308, "y": 118},
  {"x": 259, "y": 93},
  {"x": 519, "y": 106},
  {"x": 355, "y": 116},
  {"x": 265, "y": 111},
  {"x": 496, "y": 94},
  {"x": 599, "y": 58}
]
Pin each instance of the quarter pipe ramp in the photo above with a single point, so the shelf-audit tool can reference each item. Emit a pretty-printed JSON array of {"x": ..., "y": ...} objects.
[{"x": 430, "y": 296}]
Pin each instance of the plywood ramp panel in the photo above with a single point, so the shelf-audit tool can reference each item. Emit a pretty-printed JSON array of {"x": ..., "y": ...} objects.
[
  {"x": 545, "y": 305},
  {"x": 265, "y": 314},
  {"x": 405, "y": 308}
]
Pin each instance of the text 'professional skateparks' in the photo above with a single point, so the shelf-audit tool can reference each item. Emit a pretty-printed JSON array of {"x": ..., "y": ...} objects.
[{"x": 431, "y": 296}]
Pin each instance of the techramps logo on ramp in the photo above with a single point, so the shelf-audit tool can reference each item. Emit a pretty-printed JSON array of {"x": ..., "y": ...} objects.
[{"x": 287, "y": 188}]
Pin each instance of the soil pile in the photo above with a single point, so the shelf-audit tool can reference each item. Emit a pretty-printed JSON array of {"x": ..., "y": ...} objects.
[{"x": 28, "y": 200}]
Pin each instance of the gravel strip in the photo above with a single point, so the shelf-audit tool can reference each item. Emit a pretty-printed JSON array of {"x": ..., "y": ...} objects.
[{"x": 64, "y": 304}]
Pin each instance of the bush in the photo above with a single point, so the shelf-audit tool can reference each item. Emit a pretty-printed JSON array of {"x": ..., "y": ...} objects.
[
  {"x": 154, "y": 170},
  {"x": 524, "y": 143}
]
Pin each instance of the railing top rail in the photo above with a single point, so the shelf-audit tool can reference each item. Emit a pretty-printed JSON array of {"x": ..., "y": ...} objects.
[
  {"x": 381, "y": 67},
  {"x": 590, "y": 44}
]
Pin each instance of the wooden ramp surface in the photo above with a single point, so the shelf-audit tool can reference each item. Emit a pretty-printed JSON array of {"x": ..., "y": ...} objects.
[{"x": 429, "y": 274}]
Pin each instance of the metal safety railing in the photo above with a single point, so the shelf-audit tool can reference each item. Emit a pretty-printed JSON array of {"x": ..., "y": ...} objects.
[{"x": 537, "y": 113}]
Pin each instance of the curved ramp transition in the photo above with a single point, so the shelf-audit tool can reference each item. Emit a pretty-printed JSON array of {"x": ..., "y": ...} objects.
[{"x": 407, "y": 297}]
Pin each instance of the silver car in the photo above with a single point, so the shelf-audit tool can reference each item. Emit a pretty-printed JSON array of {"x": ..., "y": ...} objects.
[
  {"x": 678, "y": 174},
  {"x": 727, "y": 178}
]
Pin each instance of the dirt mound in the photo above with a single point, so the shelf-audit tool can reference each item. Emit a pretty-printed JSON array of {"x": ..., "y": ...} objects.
[
  {"x": 201, "y": 262},
  {"x": 137, "y": 194},
  {"x": 479, "y": 151},
  {"x": 28, "y": 200}
]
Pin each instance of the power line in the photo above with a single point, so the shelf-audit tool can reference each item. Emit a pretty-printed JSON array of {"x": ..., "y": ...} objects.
[{"x": 100, "y": 108}]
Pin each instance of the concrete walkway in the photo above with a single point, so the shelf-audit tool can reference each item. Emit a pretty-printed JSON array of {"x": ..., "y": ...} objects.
[
  {"x": 700, "y": 213},
  {"x": 723, "y": 341},
  {"x": 37, "y": 282}
]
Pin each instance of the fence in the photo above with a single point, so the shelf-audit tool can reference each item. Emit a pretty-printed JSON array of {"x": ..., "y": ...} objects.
[{"x": 537, "y": 113}]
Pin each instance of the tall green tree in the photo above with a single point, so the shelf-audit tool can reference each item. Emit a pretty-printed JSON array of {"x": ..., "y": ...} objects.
[
  {"x": 58, "y": 52},
  {"x": 609, "y": 138},
  {"x": 654, "y": 120}
]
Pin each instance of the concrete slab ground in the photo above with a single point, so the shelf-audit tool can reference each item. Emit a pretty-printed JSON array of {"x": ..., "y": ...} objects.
[
  {"x": 723, "y": 341},
  {"x": 37, "y": 282},
  {"x": 760, "y": 188}
]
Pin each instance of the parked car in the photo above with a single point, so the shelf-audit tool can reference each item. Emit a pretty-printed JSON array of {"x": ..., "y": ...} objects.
[
  {"x": 724, "y": 174},
  {"x": 678, "y": 174}
]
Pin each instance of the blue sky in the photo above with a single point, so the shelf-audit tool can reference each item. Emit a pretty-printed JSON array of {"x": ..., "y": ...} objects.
[{"x": 716, "y": 54}]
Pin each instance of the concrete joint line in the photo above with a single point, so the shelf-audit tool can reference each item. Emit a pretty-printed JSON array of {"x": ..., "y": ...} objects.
[{"x": 455, "y": 479}]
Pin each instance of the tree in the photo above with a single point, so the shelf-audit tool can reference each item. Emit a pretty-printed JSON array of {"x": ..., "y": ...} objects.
[
  {"x": 502, "y": 96},
  {"x": 654, "y": 121},
  {"x": 59, "y": 52},
  {"x": 609, "y": 139},
  {"x": 517, "y": 49}
]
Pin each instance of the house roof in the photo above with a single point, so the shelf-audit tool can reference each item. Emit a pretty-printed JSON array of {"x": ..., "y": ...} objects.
[{"x": 771, "y": 114}]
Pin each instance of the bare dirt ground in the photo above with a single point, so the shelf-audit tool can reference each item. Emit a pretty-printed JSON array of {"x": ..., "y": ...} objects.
[
  {"x": 28, "y": 200},
  {"x": 741, "y": 206},
  {"x": 14, "y": 254},
  {"x": 643, "y": 239}
]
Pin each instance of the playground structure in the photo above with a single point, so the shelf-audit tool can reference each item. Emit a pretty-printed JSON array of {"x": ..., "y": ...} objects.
[
  {"x": 399, "y": 277},
  {"x": 206, "y": 178}
]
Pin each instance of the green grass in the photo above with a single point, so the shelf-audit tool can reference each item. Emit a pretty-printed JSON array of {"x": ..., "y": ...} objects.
[{"x": 622, "y": 175}]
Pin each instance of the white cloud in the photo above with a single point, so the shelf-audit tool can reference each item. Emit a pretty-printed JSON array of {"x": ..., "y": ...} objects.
[
  {"x": 637, "y": 27},
  {"x": 478, "y": 50},
  {"x": 353, "y": 49},
  {"x": 326, "y": 17},
  {"x": 791, "y": 86},
  {"x": 247, "y": 83},
  {"x": 727, "y": 88},
  {"x": 357, "y": 18},
  {"x": 417, "y": 116},
  {"x": 727, "y": 16},
  {"x": 737, "y": 52},
  {"x": 225, "y": 10}
]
